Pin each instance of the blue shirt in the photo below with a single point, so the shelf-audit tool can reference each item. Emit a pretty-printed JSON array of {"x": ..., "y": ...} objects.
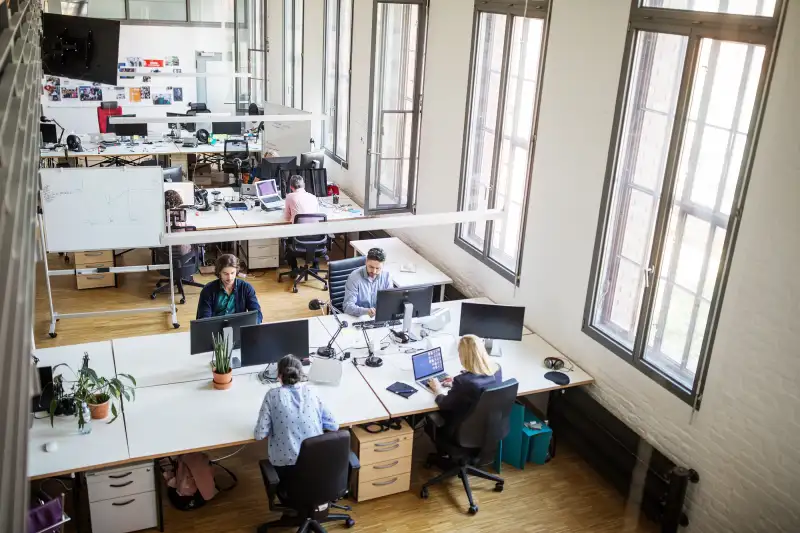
[
  {"x": 361, "y": 292},
  {"x": 289, "y": 415}
]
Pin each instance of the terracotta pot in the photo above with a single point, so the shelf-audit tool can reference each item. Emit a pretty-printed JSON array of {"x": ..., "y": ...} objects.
[
  {"x": 99, "y": 410},
  {"x": 223, "y": 381}
]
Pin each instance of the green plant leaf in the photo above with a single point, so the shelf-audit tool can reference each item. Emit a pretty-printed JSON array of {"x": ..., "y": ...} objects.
[
  {"x": 127, "y": 395},
  {"x": 114, "y": 413}
]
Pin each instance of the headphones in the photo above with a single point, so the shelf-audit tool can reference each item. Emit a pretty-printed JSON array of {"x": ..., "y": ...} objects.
[
  {"x": 556, "y": 363},
  {"x": 202, "y": 136},
  {"x": 383, "y": 425},
  {"x": 74, "y": 143}
]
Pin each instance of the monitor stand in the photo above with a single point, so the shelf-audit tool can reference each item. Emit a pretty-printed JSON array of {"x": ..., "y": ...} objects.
[
  {"x": 492, "y": 347},
  {"x": 227, "y": 336},
  {"x": 408, "y": 316}
]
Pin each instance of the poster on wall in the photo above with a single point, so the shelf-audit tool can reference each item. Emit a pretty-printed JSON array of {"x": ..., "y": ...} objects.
[
  {"x": 126, "y": 69},
  {"x": 154, "y": 62},
  {"x": 52, "y": 88},
  {"x": 177, "y": 94},
  {"x": 134, "y": 62},
  {"x": 172, "y": 61},
  {"x": 146, "y": 79},
  {"x": 176, "y": 70},
  {"x": 162, "y": 99},
  {"x": 135, "y": 94},
  {"x": 120, "y": 92},
  {"x": 145, "y": 91},
  {"x": 69, "y": 93},
  {"x": 90, "y": 94}
]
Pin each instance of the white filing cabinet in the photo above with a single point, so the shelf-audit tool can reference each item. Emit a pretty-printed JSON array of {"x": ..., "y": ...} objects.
[
  {"x": 262, "y": 253},
  {"x": 122, "y": 499}
]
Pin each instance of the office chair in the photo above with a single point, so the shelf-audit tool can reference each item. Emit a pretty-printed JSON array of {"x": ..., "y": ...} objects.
[
  {"x": 183, "y": 269},
  {"x": 311, "y": 248},
  {"x": 320, "y": 476},
  {"x": 236, "y": 158},
  {"x": 338, "y": 272},
  {"x": 474, "y": 440},
  {"x": 112, "y": 109}
]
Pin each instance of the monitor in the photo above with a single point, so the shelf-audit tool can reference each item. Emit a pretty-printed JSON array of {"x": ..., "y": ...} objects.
[
  {"x": 266, "y": 344},
  {"x": 272, "y": 166},
  {"x": 188, "y": 126},
  {"x": 200, "y": 330},
  {"x": 173, "y": 174},
  {"x": 226, "y": 128},
  {"x": 129, "y": 130},
  {"x": 49, "y": 133},
  {"x": 312, "y": 160},
  {"x": 110, "y": 126},
  {"x": 491, "y": 322},
  {"x": 391, "y": 304},
  {"x": 81, "y": 48}
]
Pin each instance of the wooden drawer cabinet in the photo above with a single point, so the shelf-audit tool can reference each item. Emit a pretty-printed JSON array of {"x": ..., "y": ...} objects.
[
  {"x": 122, "y": 499},
  {"x": 262, "y": 253},
  {"x": 385, "y": 462},
  {"x": 95, "y": 259},
  {"x": 97, "y": 256}
]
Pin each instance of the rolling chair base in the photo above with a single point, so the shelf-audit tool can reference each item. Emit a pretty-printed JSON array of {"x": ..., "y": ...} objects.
[
  {"x": 463, "y": 472},
  {"x": 162, "y": 285},
  {"x": 302, "y": 274},
  {"x": 306, "y": 525}
]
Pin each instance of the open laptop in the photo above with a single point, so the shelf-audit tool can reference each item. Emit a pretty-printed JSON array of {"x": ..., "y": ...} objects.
[
  {"x": 428, "y": 365},
  {"x": 269, "y": 195}
]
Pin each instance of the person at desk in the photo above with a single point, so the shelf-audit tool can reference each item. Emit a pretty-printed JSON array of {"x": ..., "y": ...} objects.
[
  {"x": 479, "y": 374},
  {"x": 299, "y": 201},
  {"x": 290, "y": 414},
  {"x": 173, "y": 200},
  {"x": 363, "y": 284},
  {"x": 227, "y": 294}
]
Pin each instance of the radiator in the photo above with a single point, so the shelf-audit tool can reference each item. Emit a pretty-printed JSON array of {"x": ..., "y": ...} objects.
[{"x": 638, "y": 470}]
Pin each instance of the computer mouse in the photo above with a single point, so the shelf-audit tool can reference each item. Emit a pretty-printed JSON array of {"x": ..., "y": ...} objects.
[{"x": 51, "y": 446}]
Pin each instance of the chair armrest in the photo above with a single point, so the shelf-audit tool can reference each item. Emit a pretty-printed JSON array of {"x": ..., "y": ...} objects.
[
  {"x": 355, "y": 464},
  {"x": 272, "y": 475},
  {"x": 436, "y": 419}
]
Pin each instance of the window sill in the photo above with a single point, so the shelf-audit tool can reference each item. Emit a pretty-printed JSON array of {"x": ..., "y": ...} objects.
[
  {"x": 494, "y": 265},
  {"x": 336, "y": 159}
]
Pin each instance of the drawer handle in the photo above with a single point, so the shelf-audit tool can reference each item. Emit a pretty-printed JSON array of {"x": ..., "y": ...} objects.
[
  {"x": 93, "y": 265},
  {"x": 93, "y": 254},
  {"x": 97, "y": 276},
  {"x": 381, "y": 467},
  {"x": 384, "y": 483},
  {"x": 121, "y": 475},
  {"x": 380, "y": 450},
  {"x": 120, "y": 485},
  {"x": 387, "y": 443},
  {"x": 120, "y": 504}
]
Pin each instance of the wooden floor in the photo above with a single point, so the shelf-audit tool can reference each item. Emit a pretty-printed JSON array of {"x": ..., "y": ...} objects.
[{"x": 565, "y": 495}]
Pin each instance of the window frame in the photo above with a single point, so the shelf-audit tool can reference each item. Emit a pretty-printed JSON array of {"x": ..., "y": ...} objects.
[
  {"x": 286, "y": 55},
  {"x": 536, "y": 9},
  {"x": 333, "y": 120},
  {"x": 696, "y": 26},
  {"x": 416, "y": 112}
]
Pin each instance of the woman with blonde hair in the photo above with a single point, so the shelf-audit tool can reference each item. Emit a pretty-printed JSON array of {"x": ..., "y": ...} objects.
[{"x": 479, "y": 374}]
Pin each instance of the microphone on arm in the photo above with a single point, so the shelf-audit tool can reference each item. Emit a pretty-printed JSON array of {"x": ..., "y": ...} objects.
[{"x": 328, "y": 351}]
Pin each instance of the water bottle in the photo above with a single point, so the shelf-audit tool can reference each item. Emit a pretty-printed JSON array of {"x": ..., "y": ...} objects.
[{"x": 84, "y": 419}]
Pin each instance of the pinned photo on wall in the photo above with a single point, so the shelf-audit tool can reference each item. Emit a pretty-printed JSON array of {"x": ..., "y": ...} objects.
[
  {"x": 120, "y": 95},
  {"x": 134, "y": 62},
  {"x": 90, "y": 94},
  {"x": 126, "y": 69},
  {"x": 172, "y": 61},
  {"x": 153, "y": 62},
  {"x": 177, "y": 94},
  {"x": 69, "y": 93},
  {"x": 146, "y": 79},
  {"x": 52, "y": 88},
  {"x": 135, "y": 94},
  {"x": 176, "y": 70},
  {"x": 162, "y": 99},
  {"x": 145, "y": 91}
]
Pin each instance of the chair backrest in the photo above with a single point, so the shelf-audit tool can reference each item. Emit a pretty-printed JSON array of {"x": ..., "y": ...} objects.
[
  {"x": 338, "y": 272},
  {"x": 316, "y": 180},
  {"x": 236, "y": 148},
  {"x": 310, "y": 241},
  {"x": 488, "y": 421},
  {"x": 320, "y": 473},
  {"x": 102, "y": 117}
]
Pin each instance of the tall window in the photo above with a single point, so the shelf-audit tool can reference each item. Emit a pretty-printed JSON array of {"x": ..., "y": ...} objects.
[
  {"x": 684, "y": 132},
  {"x": 336, "y": 77},
  {"x": 397, "y": 66},
  {"x": 507, "y": 56},
  {"x": 293, "y": 53}
]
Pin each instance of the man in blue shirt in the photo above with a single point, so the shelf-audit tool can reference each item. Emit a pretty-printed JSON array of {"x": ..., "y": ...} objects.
[{"x": 363, "y": 284}]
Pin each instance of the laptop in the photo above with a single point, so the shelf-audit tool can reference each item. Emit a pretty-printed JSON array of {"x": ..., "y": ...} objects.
[
  {"x": 428, "y": 365},
  {"x": 269, "y": 195}
]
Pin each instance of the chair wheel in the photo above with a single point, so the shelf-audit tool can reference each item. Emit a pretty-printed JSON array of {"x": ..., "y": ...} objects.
[
  {"x": 153, "y": 296},
  {"x": 175, "y": 325},
  {"x": 325, "y": 287},
  {"x": 424, "y": 493},
  {"x": 183, "y": 300},
  {"x": 53, "y": 335},
  {"x": 473, "y": 509},
  {"x": 294, "y": 289},
  {"x": 498, "y": 487},
  {"x": 349, "y": 523}
]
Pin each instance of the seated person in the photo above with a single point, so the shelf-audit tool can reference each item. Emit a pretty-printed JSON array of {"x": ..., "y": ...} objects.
[
  {"x": 299, "y": 202},
  {"x": 363, "y": 284},
  {"x": 173, "y": 200},
  {"x": 290, "y": 414},
  {"x": 227, "y": 294},
  {"x": 479, "y": 373}
]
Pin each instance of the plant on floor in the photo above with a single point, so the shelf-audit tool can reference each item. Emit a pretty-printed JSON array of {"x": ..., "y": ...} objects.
[{"x": 221, "y": 363}]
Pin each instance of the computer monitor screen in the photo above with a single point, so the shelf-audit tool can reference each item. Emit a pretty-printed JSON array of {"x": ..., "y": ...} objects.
[
  {"x": 268, "y": 343},
  {"x": 172, "y": 174},
  {"x": 200, "y": 331},
  {"x": 81, "y": 48},
  {"x": 312, "y": 160},
  {"x": 390, "y": 303},
  {"x": 266, "y": 188},
  {"x": 129, "y": 130},
  {"x": 110, "y": 126},
  {"x": 49, "y": 133},
  {"x": 226, "y": 128},
  {"x": 490, "y": 321},
  {"x": 427, "y": 363},
  {"x": 272, "y": 166}
]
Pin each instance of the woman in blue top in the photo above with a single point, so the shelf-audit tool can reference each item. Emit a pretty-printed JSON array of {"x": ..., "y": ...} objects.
[{"x": 227, "y": 294}]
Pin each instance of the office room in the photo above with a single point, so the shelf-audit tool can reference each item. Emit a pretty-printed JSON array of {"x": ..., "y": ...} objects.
[{"x": 549, "y": 288}]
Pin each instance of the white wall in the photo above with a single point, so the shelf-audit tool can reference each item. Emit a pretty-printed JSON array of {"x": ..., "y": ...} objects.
[{"x": 744, "y": 440}]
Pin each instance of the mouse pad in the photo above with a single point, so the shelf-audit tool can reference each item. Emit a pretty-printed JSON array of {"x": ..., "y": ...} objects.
[{"x": 559, "y": 378}]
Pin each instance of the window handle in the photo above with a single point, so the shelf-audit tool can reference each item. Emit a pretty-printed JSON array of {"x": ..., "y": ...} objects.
[{"x": 648, "y": 276}]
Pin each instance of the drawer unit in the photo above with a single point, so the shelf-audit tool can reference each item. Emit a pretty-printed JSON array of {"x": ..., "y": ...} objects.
[
  {"x": 109, "y": 484},
  {"x": 262, "y": 253},
  {"x": 96, "y": 256},
  {"x": 385, "y": 462},
  {"x": 263, "y": 262},
  {"x": 94, "y": 281},
  {"x": 95, "y": 259},
  {"x": 122, "y": 499}
]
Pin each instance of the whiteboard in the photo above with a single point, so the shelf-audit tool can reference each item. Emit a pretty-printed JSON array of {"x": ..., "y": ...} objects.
[
  {"x": 102, "y": 208},
  {"x": 288, "y": 138}
]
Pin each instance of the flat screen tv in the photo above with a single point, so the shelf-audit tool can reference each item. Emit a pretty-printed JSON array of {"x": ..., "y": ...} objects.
[{"x": 81, "y": 48}]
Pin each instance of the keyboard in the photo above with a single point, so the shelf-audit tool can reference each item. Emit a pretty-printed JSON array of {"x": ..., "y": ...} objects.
[{"x": 371, "y": 324}]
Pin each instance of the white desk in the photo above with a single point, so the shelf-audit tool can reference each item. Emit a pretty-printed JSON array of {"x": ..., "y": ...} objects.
[
  {"x": 259, "y": 217},
  {"x": 217, "y": 148},
  {"x": 163, "y": 359},
  {"x": 399, "y": 253},
  {"x": 106, "y": 444}
]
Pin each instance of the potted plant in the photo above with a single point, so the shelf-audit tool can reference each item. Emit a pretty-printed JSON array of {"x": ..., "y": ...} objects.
[{"x": 221, "y": 363}]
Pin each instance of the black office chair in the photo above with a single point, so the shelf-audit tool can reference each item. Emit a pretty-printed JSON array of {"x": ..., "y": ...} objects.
[
  {"x": 474, "y": 440},
  {"x": 184, "y": 267},
  {"x": 236, "y": 158},
  {"x": 311, "y": 248},
  {"x": 338, "y": 272},
  {"x": 319, "y": 477}
]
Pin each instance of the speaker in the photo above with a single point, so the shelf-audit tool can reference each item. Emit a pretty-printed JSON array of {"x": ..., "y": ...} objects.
[{"x": 74, "y": 143}]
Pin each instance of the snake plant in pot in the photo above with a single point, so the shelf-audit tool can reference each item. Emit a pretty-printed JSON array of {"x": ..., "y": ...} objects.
[{"x": 221, "y": 363}]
